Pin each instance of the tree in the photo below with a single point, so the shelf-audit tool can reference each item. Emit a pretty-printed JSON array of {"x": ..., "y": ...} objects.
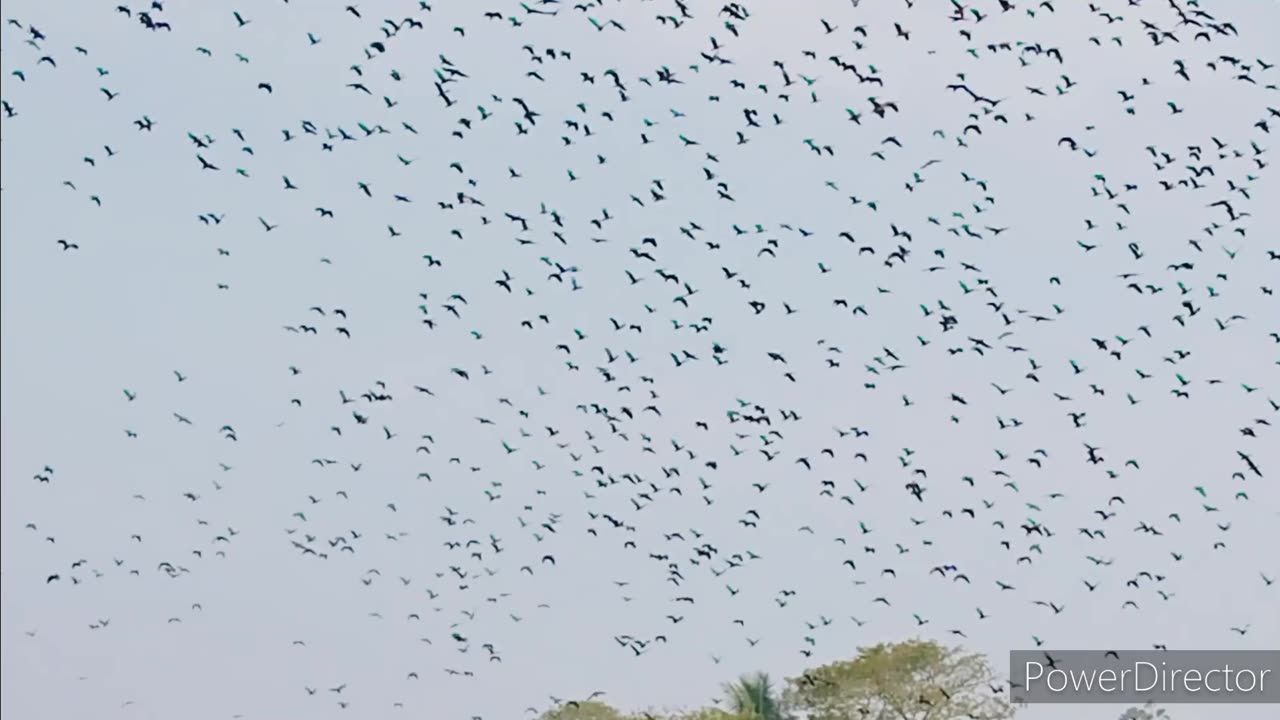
[
  {"x": 710, "y": 713},
  {"x": 754, "y": 696},
  {"x": 912, "y": 680},
  {"x": 585, "y": 710},
  {"x": 1148, "y": 711}
]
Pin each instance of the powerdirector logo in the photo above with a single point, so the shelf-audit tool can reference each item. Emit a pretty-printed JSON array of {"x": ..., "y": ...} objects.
[{"x": 1188, "y": 676}]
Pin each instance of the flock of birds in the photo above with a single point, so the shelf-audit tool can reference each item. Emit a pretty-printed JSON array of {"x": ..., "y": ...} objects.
[{"x": 798, "y": 326}]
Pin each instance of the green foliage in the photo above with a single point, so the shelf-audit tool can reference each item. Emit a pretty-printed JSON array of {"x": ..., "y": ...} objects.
[
  {"x": 1149, "y": 711},
  {"x": 585, "y": 710},
  {"x": 754, "y": 696},
  {"x": 710, "y": 713},
  {"x": 912, "y": 680}
]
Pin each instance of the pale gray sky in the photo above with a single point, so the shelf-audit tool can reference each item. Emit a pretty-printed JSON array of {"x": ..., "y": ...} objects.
[{"x": 140, "y": 299}]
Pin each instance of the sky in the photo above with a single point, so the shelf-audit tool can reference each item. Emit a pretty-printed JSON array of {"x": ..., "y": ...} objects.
[{"x": 287, "y": 572}]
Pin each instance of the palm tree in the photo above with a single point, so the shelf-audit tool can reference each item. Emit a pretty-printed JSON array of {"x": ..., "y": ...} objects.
[{"x": 753, "y": 696}]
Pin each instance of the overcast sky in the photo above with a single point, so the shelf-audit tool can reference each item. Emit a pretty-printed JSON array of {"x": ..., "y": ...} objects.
[{"x": 96, "y": 338}]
